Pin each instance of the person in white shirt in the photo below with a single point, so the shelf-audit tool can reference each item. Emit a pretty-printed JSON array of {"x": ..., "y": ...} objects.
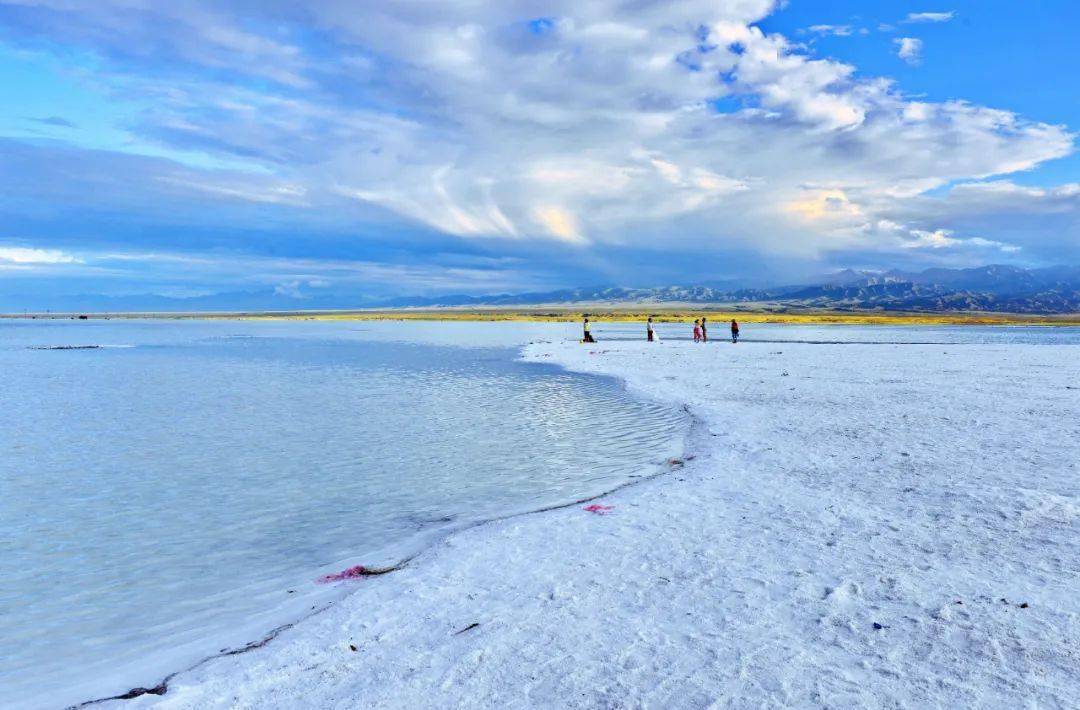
[{"x": 650, "y": 332}]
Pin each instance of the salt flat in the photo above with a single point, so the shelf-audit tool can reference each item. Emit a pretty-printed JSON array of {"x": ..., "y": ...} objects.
[{"x": 858, "y": 526}]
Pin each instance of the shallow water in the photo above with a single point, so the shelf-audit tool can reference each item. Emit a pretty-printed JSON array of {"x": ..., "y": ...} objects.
[{"x": 177, "y": 491}]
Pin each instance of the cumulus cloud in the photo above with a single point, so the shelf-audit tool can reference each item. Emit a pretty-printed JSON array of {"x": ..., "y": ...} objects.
[
  {"x": 601, "y": 125},
  {"x": 1040, "y": 222},
  {"x": 909, "y": 49}
]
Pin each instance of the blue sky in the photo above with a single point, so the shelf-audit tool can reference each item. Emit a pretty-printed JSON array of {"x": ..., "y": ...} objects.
[{"x": 342, "y": 152}]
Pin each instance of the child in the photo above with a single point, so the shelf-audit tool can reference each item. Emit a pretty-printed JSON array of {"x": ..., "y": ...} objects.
[
  {"x": 697, "y": 331},
  {"x": 734, "y": 331},
  {"x": 588, "y": 336}
]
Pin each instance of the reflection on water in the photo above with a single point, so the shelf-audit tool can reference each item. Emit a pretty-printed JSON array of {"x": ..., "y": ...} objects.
[{"x": 163, "y": 499}]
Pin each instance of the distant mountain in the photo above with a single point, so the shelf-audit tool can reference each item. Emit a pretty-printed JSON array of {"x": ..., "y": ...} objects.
[{"x": 1006, "y": 289}]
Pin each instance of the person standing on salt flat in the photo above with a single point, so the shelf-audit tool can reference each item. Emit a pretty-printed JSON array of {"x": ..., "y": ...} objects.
[
  {"x": 704, "y": 332},
  {"x": 734, "y": 331},
  {"x": 697, "y": 331},
  {"x": 588, "y": 335},
  {"x": 650, "y": 332}
]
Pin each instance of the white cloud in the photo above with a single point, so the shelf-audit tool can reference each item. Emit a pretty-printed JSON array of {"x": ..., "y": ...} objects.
[
  {"x": 299, "y": 276},
  {"x": 29, "y": 256},
  {"x": 272, "y": 194},
  {"x": 934, "y": 240},
  {"x": 647, "y": 124},
  {"x": 559, "y": 223},
  {"x": 916, "y": 17},
  {"x": 909, "y": 49},
  {"x": 835, "y": 30},
  {"x": 292, "y": 289},
  {"x": 942, "y": 238}
]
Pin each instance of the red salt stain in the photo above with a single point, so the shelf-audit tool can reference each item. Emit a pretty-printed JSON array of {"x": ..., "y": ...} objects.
[
  {"x": 352, "y": 573},
  {"x": 599, "y": 509}
]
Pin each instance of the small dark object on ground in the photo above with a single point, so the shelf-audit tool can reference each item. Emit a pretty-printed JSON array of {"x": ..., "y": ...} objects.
[
  {"x": 878, "y": 626},
  {"x": 352, "y": 647},
  {"x": 470, "y": 627},
  {"x": 1024, "y": 605},
  {"x": 138, "y": 692}
]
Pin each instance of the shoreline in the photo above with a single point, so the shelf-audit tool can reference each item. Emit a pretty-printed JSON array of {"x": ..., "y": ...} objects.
[
  {"x": 672, "y": 465},
  {"x": 780, "y": 573}
]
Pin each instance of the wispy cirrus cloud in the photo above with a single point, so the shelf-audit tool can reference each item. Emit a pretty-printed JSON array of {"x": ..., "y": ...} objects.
[
  {"x": 31, "y": 256},
  {"x": 834, "y": 30},
  {"x": 918, "y": 17},
  {"x": 56, "y": 121}
]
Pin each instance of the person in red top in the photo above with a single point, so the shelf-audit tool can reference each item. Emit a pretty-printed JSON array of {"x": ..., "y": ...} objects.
[
  {"x": 734, "y": 331},
  {"x": 697, "y": 331}
]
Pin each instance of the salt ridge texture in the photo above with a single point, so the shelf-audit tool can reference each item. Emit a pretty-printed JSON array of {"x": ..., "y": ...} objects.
[{"x": 861, "y": 525}]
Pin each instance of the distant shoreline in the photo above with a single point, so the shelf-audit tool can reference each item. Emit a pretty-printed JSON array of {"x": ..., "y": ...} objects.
[{"x": 598, "y": 313}]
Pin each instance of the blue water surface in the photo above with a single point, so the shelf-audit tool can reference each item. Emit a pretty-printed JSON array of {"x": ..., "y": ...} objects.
[{"x": 177, "y": 490}]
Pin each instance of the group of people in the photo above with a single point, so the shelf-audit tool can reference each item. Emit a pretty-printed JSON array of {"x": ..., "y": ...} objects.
[{"x": 701, "y": 331}]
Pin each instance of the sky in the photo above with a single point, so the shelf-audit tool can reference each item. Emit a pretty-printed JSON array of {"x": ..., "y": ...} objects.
[{"x": 337, "y": 152}]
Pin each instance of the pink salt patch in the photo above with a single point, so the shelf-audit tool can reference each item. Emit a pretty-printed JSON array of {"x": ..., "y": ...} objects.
[
  {"x": 351, "y": 573},
  {"x": 599, "y": 509}
]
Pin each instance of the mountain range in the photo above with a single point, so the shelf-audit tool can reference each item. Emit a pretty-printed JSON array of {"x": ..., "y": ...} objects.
[{"x": 995, "y": 288}]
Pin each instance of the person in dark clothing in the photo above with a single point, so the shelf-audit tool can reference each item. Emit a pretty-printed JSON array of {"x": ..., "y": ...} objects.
[
  {"x": 649, "y": 333},
  {"x": 704, "y": 332},
  {"x": 588, "y": 335},
  {"x": 734, "y": 331}
]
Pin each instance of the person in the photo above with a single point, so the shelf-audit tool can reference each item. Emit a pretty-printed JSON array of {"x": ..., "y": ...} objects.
[
  {"x": 650, "y": 333},
  {"x": 697, "y": 331},
  {"x": 704, "y": 332},
  {"x": 588, "y": 336},
  {"x": 734, "y": 331}
]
